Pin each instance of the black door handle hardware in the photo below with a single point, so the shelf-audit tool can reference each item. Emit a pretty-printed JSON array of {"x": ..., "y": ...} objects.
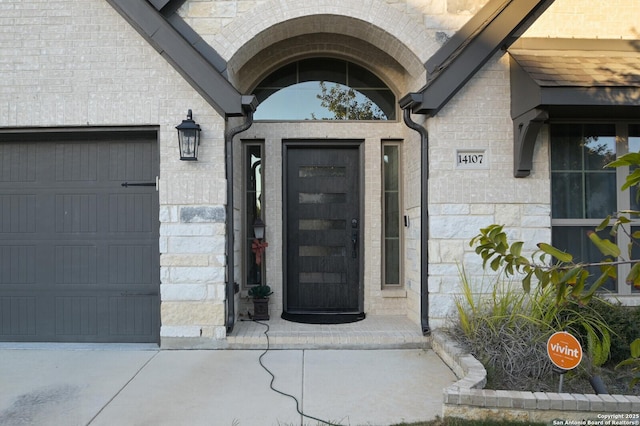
[
  {"x": 127, "y": 184},
  {"x": 354, "y": 241}
]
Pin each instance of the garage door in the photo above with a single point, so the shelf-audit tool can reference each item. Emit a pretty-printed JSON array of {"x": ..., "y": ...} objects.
[{"x": 79, "y": 257}]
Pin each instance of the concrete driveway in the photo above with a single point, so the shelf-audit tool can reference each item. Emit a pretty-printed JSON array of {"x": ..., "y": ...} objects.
[{"x": 71, "y": 385}]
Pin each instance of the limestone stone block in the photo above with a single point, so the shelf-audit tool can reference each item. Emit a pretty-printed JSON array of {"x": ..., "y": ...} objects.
[
  {"x": 174, "y": 292},
  {"x": 179, "y": 331},
  {"x": 192, "y": 313}
]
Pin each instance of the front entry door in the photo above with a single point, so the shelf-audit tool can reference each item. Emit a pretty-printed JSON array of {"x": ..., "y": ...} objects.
[{"x": 323, "y": 233}]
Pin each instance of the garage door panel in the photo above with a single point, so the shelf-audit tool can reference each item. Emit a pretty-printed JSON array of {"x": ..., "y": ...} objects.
[
  {"x": 17, "y": 265},
  {"x": 76, "y": 162},
  {"x": 76, "y": 316},
  {"x": 131, "y": 162},
  {"x": 130, "y": 212},
  {"x": 79, "y": 256},
  {"x": 76, "y": 213},
  {"x": 18, "y": 316},
  {"x": 18, "y": 162},
  {"x": 17, "y": 213},
  {"x": 130, "y": 315},
  {"x": 76, "y": 265},
  {"x": 131, "y": 264}
]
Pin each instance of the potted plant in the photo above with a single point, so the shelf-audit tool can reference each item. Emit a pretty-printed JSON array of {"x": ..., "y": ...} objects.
[
  {"x": 260, "y": 295},
  {"x": 261, "y": 292}
]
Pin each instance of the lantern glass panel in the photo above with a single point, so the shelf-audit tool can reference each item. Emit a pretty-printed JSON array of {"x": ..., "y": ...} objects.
[{"x": 189, "y": 144}]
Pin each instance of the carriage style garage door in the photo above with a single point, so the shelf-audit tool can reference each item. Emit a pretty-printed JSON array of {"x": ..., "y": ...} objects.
[{"x": 79, "y": 258}]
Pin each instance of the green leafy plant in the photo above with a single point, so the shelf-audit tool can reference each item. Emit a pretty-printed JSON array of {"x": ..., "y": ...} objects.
[
  {"x": 570, "y": 282},
  {"x": 633, "y": 361},
  {"x": 260, "y": 292},
  {"x": 561, "y": 300},
  {"x": 624, "y": 322},
  {"x": 548, "y": 264},
  {"x": 507, "y": 330}
]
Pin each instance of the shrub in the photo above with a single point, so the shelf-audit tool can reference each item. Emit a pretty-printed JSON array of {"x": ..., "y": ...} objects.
[
  {"x": 507, "y": 331},
  {"x": 624, "y": 322}
]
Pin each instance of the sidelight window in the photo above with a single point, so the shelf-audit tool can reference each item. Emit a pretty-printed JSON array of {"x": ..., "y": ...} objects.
[
  {"x": 253, "y": 208},
  {"x": 584, "y": 192},
  {"x": 391, "y": 208}
]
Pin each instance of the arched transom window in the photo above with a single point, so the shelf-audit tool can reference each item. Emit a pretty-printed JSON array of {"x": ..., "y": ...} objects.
[{"x": 324, "y": 89}]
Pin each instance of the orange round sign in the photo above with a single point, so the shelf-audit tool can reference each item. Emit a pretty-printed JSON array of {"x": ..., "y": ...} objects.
[{"x": 564, "y": 350}]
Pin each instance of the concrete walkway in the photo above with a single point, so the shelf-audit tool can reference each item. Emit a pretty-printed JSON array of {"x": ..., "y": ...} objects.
[{"x": 111, "y": 385}]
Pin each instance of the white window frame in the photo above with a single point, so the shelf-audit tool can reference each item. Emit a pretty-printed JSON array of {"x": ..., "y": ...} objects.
[{"x": 622, "y": 199}]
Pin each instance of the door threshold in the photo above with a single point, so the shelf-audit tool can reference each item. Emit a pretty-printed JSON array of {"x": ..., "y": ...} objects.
[{"x": 323, "y": 317}]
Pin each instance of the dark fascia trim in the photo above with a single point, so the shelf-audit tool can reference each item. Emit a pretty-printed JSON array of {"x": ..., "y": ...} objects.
[
  {"x": 586, "y": 44},
  {"x": 204, "y": 77},
  {"x": 36, "y": 134},
  {"x": 527, "y": 94},
  {"x": 167, "y": 7},
  {"x": 198, "y": 43},
  {"x": 532, "y": 105},
  {"x": 495, "y": 27},
  {"x": 159, "y": 4}
]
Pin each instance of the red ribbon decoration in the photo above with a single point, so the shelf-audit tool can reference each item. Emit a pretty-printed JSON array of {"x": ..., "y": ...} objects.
[{"x": 258, "y": 248}]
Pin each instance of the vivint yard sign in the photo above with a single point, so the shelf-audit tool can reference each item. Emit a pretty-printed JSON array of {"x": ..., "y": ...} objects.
[{"x": 564, "y": 350}]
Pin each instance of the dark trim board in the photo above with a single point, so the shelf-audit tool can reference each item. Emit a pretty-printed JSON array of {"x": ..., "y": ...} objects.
[{"x": 496, "y": 26}]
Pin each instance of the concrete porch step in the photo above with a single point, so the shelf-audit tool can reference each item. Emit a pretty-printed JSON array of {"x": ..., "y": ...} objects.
[{"x": 374, "y": 332}]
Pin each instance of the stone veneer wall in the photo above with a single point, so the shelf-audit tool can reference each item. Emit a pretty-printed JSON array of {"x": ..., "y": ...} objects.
[
  {"x": 461, "y": 201},
  {"x": 78, "y": 63},
  {"x": 467, "y": 399},
  {"x": 377, "y": 301}
]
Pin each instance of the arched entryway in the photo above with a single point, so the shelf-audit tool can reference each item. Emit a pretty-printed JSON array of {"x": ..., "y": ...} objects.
[{"x": 322, "y": 183}]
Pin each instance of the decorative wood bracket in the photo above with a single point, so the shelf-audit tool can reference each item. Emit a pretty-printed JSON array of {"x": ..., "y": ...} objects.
[{"x": 525, "y": 132}]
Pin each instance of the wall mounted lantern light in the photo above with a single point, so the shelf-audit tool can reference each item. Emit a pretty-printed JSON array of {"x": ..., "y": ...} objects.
[
  {"x": 258, "y": 229},
  {"x": 188, "y": 138}
]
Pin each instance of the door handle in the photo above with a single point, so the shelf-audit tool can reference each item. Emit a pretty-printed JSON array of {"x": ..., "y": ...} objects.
[{"x": 354, "y": 241}]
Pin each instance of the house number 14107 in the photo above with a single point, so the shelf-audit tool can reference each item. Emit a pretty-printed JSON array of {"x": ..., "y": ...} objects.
[{"x": 471, "y": 159}]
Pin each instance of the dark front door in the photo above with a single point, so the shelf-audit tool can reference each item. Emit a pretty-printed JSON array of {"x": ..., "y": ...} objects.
[
  {"x": 323, "y": 233},
  {"x": 79, "y": 257}
]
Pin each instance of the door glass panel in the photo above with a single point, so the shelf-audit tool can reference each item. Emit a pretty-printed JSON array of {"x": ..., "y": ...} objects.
[
  {"x": 322, "y": 277},
  {"x": 321, "y": 225},
  {"x": 321, "y": 171},
  {"x": 320, "y": 251},
  {"x": 321, "y": 198}
]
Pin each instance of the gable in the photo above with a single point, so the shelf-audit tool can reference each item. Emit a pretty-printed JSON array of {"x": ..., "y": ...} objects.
[{"x": 497, "y": 25}]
